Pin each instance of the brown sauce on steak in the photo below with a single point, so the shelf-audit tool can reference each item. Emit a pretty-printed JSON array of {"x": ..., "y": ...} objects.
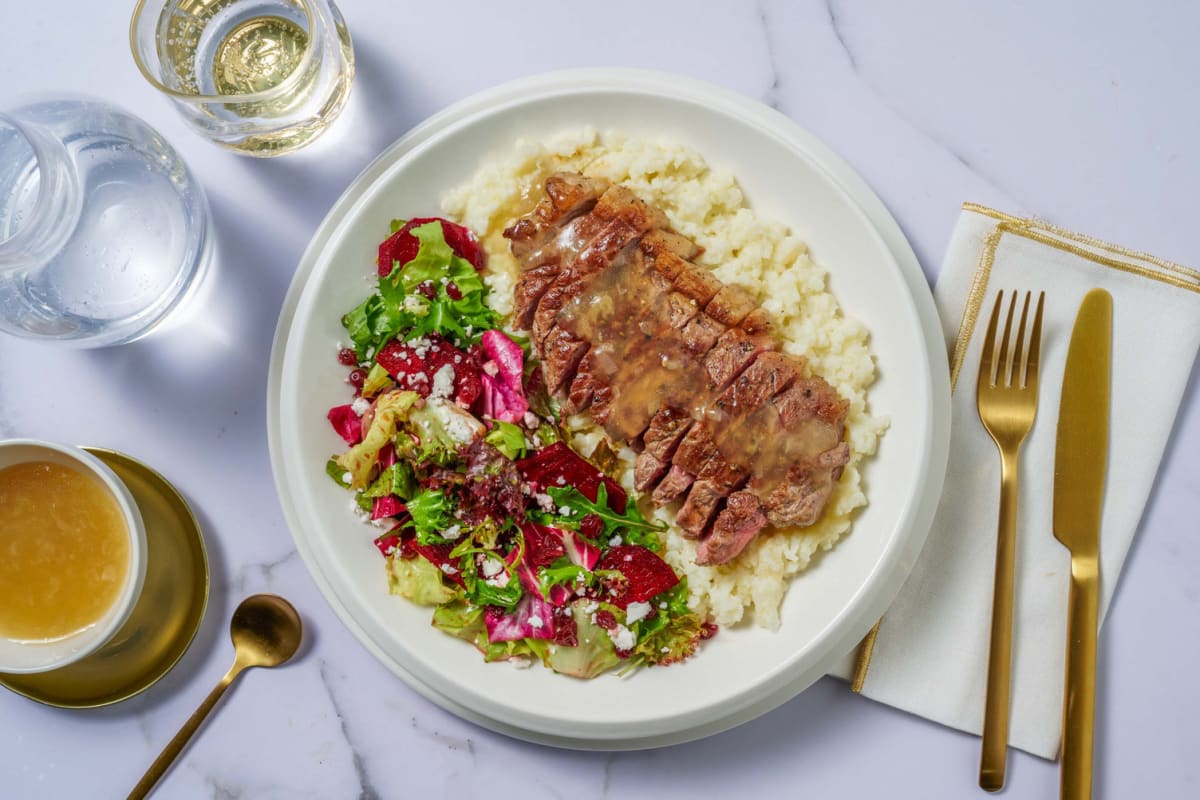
[{"x": 676, "y": 364}]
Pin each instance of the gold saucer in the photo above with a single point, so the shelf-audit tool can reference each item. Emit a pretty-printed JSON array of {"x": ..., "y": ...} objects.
[{"x": 167, "y": 614}]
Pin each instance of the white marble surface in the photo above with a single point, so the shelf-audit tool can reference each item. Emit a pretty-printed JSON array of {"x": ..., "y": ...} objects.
[{"x": 1086, "y": 114}]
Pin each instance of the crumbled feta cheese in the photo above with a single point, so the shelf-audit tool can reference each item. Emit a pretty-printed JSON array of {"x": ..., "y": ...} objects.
[
  {"x": 544, "y": 501},
  {"x": 589, "y": 608},
  {"x": 564, "y": 511},
  {"x": 360, "y": 405},
  {"x": 443, "y": 382},
  {"x": 491, "y": 567},
  {"x": 346, "y": 478},
  {"x": 560, "y": 480},
  {"x": 622, "y": 637},
  {"x": 452, "y": 533},
  {"x": 449, "y": 569},
  {"x": 615, "y": 540},
  {"x": 636, "y": 611},
  {"x": 666, "y": 649},
  {"x": 520, "y": 662},
  {"x": 415, "y": 304},
  {"x": 536, "y": 623},
  {"x": 531, "y": 421},
  {"x": 492, "y": 368},
  {"x": 663, "y": 605}
]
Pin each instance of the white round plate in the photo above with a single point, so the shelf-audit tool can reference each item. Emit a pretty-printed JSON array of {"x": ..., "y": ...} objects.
[{"x": 787, "y": 175}]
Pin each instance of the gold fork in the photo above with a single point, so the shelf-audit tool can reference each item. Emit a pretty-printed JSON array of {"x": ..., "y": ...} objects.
[{"x": 1007, "y": 398}]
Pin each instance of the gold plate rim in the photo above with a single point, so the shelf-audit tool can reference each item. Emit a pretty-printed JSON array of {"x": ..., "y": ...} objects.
[{"x": 106, "y": 454}]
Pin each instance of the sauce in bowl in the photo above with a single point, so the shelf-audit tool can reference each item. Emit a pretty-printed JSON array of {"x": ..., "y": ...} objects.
[{"x": 64, "y": 551}]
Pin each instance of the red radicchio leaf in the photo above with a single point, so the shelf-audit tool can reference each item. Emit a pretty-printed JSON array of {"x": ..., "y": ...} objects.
[
  {"x": 542, "y": 544},
  {"x": 579, "y": 551},
  {"x": 439, "y": 556},
  {"x": 389, "y": 506},
  {"x": 346, "y": 423},
  {"x": 532, "y": 618}
]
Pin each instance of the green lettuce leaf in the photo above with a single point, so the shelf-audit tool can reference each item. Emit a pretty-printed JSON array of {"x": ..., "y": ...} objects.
[
  {"x": 509, "y": 439},
  {"x": 594, "y": 654},
  {"x": 431, "y": 514},
  {"x": 359, "y": 460},
  {"x": 419, "y": 581}
]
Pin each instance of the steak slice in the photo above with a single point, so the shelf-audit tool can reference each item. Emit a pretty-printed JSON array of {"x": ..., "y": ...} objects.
[
  {"x": 732, "y": 353},
  {"x": 730, "y": 305},
  {"x": 561, "y": 354},
  {"x": 737, "y": 524},
  {"x": 675, "y": 483},
  {"x": 700, "y": 334},
  {"x": 530, "y": 287},
  {"x": 568, "y": 194},
  {"x": 666, "y": 429},
  {"x": 663, "y": 241}
]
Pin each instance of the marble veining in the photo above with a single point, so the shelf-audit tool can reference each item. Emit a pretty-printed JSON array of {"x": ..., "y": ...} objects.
[{"x": 1090, "y": 121}]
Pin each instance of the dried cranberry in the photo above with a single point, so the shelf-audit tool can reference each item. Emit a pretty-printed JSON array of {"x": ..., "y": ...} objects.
[
  {"x": 357, "y": 378},
  {"x": 347, "y": 357},
  {"x": 591, "y": 526},
  {"x": 566, "y": 632},
  {"x": 427, "y": 289},
  {"x": 708, "y": 630},
  {"x": 453, "y": 292},
  {"x": 606, "y": 620}
]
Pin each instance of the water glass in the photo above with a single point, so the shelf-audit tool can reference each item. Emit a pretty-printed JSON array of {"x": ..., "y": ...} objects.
[
  {"x": 261, "y": 77},
  {"x": 103, "y": 230}
]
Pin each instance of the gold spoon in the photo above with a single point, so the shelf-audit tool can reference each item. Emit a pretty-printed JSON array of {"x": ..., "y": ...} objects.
[{"x": 266, "y": 632}]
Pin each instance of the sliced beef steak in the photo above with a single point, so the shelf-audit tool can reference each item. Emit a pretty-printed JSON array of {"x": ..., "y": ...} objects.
[{"x": 680, "y": 366}]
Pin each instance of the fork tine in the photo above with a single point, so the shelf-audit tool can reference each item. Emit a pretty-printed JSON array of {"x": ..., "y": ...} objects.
[
  {"x": 1035, "y": 342},
  {"x": 987, "y": 364},
  {"x": 1003, "y": 368},
  {"x": 1018, "y": 370}
]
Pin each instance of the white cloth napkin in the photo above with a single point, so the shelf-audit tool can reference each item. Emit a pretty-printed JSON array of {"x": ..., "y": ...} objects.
[{"x": 930, "y": 653}]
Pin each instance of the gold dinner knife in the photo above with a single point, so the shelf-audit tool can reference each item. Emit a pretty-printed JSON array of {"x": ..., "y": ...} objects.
[{"x": 1080, "y": 463}]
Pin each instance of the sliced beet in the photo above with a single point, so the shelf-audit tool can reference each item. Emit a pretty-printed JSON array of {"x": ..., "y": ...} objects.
[
  {"x": 547, "y": 466},
  {"x": 646, "y": 575},
  {"x": 414, "y": 365}
]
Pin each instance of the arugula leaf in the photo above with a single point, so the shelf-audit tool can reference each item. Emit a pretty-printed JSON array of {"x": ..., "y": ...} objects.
[
  {"x": 509, "y": 439},
  {"x": 633, "y": 527},
  {"x": 430, "y": 511}
]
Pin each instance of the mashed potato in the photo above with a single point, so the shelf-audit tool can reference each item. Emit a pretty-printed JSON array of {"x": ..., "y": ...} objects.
[{"x": 761, "y": 255}]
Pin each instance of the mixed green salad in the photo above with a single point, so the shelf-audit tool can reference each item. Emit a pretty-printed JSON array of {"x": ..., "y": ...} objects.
[{"x": 523, "y": 547}]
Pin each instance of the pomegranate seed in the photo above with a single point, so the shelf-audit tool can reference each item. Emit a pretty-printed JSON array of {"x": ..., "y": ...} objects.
[
  {"x": 453, "y": 292},
  {"x": 348, "y": 357},
  {"x": 357, "y": 378}
]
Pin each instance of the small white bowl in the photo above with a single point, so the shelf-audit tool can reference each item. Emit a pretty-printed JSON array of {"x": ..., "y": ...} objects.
[{"x": 27, "y": 657}]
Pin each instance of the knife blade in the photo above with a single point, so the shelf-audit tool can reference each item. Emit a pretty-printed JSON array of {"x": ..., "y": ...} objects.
[{"x": 1080, "y": 467}]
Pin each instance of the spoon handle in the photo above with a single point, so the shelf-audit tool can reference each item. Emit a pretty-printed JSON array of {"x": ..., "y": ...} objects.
[{"x": 176, "y": 745}]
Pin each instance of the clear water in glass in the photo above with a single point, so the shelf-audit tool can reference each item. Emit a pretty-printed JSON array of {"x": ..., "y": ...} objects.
[{"x": 102, "y": 227}]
